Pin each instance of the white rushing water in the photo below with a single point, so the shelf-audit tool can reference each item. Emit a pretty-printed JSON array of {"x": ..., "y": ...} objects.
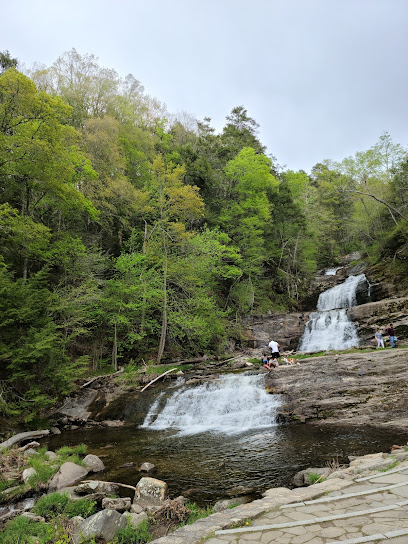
[
  {"x": 229, "y": 405},
  {"x": 330, "y": 327},
  {"x": 332, "y": 271}
]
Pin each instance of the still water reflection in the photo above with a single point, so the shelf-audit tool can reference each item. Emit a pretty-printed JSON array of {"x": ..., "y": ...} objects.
[{"x": 259, "y": 459}]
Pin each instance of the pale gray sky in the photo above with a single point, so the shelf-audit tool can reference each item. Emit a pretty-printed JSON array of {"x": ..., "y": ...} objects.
[{"x": 323, "y": 78}]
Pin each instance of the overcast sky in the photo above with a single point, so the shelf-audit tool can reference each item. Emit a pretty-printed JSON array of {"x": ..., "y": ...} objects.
[{"x": 323, "y": 78}]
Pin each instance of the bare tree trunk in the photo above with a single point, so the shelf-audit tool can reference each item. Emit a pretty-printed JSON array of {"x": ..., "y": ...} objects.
[
  {"x": 115, "y": 348},
  {"x": 164, "y": 316},
  {"x": 144, "y": 287}
]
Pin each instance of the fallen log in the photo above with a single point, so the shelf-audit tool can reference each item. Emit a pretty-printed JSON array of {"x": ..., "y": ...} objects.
[
  {"x": 111, "y": 483},
  {"x": 193, "y": 361},
  {"x": 158, "y": 378},
  {"x": 17, "y": 438},
  {"x": 101, "y": 377}
]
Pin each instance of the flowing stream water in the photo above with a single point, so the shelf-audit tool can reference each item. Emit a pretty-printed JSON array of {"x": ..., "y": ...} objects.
[
  {"x": 330, "y": 327},
  {"x": 205, "y": 439}
]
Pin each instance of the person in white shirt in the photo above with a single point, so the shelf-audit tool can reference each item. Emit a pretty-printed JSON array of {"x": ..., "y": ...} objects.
[{"x": 274, "y": 347}]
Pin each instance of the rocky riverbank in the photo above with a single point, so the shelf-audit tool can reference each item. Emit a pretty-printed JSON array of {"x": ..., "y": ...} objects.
[{"x": 346, "y": 389}]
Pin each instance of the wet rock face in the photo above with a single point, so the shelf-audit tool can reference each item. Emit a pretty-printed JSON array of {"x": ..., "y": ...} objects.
[
  {"x": 369, "y": 316},
  {"x": 349, "y": 389},
  {"x": 286, "y": 329}
]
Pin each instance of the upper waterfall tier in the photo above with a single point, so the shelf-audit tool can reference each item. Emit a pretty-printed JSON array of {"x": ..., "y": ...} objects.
[
  {"x": 343, "y": 295},
  {"x": 330, "y": 327}
]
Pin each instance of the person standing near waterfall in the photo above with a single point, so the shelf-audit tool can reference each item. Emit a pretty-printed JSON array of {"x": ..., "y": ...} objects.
[
  {"x": 380, "y": 340},
  {"x": 391, "y": 335},
  {"x": 274, "y": 347}
]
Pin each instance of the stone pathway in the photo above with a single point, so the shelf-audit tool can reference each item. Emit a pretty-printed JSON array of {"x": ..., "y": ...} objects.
[
  {"x": 375, "y": 510},
  {"x": 366, "y": 502}
]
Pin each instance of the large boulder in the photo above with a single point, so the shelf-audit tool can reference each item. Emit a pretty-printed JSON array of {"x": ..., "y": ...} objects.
[
  {"x": 68, "y": 475},
  {"x": 104, "y": 524},
  {"x": 93, "y": 463},
  {"x": 151, "y": 491}
]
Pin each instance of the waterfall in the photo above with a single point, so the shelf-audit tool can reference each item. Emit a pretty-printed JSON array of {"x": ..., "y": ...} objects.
[
  {"x": 229, "y": 405},
  {"x": 330, "y": 327},
  {"x": 332, "y": 271}
]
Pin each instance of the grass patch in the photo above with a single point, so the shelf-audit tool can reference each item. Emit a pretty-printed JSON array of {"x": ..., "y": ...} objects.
[
  {"x": 54, "y": 504},
  {"x": 23, "y": 531},
  {"x": 134, "y": 535},
  {"x": 196, "y": 512},
  {"x": 65, "y": 452},
  {"x": 314, "y": 477}
]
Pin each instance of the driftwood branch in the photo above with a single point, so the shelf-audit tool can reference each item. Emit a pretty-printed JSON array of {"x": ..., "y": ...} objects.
[
  {"x": 112, "y": 483},
  {"x": 17, "y": 438},
  {"x": 158, "y": 378},
  {"x": 101, "y": 377},
  {"x": 193, "y": 361}
]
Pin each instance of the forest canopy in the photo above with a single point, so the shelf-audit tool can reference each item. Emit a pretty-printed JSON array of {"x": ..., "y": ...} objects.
[{"x": 129, "y": 234}]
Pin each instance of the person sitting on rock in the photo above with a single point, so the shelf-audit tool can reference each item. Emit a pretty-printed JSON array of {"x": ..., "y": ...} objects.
[{"x": 380, "y": 340}]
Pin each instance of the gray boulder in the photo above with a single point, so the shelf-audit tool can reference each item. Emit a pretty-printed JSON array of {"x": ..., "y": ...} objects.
[
  {"x": 302, "y": 478},
  {"x": 51, "y": 455},
  {"x": 151, "y": 491},
  {"x": 147, "y": 467},
  {"x": 68, "y": 474},
  {"x": 120, "y": 505},
  {"x": 135, "y": 519},
  {"x": 96, "y": 486},
  {"x": 93, "y": 463},
  {"x": 28, "y": 472},
  {"x": 104, "y": 524}
]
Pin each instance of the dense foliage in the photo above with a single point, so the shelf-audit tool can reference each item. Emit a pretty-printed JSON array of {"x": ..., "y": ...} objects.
[{"x": 127, "y": 233}]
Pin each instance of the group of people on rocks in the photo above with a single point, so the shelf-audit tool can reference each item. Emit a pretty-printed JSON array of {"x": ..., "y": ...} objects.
[
  {"x": 272, "y": 361},
  {"x": 391, "y": 336}
]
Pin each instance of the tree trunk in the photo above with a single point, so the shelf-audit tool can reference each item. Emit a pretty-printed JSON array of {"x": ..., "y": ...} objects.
[
  {"x": 164, "y": 316},
  {"x": 115, "y": 348}
]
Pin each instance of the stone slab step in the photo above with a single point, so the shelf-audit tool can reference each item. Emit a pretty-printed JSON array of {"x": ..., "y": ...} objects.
[
  {"x": 373, "y": 538},
  {"x": 345, "y": 496},
  {"x": 311, "y": 521},
  {"x": 381, "y": 474}
]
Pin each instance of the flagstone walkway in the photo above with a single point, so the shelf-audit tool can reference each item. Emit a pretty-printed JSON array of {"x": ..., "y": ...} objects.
[{"x": 373, "y": 509}]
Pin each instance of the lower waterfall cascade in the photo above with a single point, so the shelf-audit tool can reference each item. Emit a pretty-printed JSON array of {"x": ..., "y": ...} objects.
[
  {"x": 231, "y": 404},
  {"x": 330, "y": 327}
]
